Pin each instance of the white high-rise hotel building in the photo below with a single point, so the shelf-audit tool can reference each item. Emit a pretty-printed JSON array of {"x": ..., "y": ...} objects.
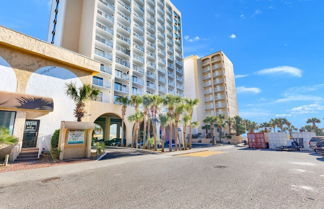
[{"x": 138, "y": 42}]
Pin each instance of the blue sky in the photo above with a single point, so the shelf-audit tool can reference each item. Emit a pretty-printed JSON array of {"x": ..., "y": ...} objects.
[{"x": 277, "y": 47}]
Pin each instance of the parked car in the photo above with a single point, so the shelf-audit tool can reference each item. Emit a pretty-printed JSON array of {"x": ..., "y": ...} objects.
[
  {"x": 320, "y": 147},
  {"x": 314, "y": 141}
]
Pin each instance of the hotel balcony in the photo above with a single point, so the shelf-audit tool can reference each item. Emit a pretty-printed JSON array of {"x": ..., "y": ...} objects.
[
  {"x": 151, "y": 75},
  {"x": 101, "y": 83},
  {"x": 162, "y": 70},
  {"x": 139, "y": 48},
  {"x": 207, "y": 76},
  {"x": 152, "y": 86},
  {"x": 138, "y": 37},
  {"x": 139, "y": 59},
  {"x": 219, "y": 89},
  {"x": 104, "y": 42},
  {"x": 103, "y": 55},
  {"x": 122, "y": 76},
  {"x": 125, "y": 6},
  {"x": 208, "y": 91},
  {"x": 209, "y": 83},
  {"x": 105, "y": 16},
  {"x": 209, "y": 99},
  {"x": 121, "y": 90},
  {"x": 218, "y": 81},
  {"x": 105, "y": 29},
  {"x": 137, "y": 92},
  {"x": 108, "y": 5},
  {"x": 162, "y": 90},
  {"x": 102, "y": 97},
  {"x": 139, "y": 28},
  {"x": 138, "y": 81},
  {"x": 162, "y": 79},
  {"x": 220, "y": 105},
  {"x": 138, "y": 70},
  {"x": 106, "y": 69},
  {"x": 180, "y": 71}
]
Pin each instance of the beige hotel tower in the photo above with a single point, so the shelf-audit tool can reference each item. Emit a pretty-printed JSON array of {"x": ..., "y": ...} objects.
[
  {"x": 137, "y": 42},
  {"x": 211, "y": 79}
]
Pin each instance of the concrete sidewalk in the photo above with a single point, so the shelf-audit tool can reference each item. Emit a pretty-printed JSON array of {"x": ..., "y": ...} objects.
[{"x": 42, "y": 174}]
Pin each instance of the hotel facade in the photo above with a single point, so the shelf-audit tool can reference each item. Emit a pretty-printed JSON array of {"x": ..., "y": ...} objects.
[
  {"x": 211, "y": 79},
  {"x": 121, "y": 47},
  {"x": 138, "y": 43}
]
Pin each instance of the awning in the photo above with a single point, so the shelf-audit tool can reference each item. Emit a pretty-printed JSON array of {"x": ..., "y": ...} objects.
[{"x": 15, "y": 101}]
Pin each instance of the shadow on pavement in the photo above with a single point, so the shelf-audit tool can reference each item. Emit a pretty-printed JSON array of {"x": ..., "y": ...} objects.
[{"x": 320, "y": 159}]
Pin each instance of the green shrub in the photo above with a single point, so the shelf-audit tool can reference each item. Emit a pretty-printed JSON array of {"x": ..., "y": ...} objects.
[
  {"x": 6, "y": 138},
  {"x": 100, "y": 147},
  {"x": 55, "y": 139}
]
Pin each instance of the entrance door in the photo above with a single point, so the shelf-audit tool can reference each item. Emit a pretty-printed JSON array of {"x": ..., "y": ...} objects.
[{"x": 30, "y": 133}]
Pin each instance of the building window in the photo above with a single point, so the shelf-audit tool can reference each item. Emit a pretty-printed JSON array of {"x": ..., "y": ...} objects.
[{"x": 7, "y": 120}]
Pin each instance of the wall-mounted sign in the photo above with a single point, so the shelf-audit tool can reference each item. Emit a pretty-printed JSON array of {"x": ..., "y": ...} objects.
[{"x": 75, "y": 137}]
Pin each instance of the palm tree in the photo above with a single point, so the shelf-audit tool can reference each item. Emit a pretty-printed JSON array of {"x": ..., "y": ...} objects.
[
  {"x": 265, "y": 126},
  {"x": 178, "y": 112},
  {"x": 186, "y": 119},
  {"x": 230, "y": 121},
  {"x": 136, "y": 101},
  {"x": 164, "y": 122},
  {"x": 273, "y": 123},
  {"x": 80, "y": 96},
  {"x": 211, "y": 120},
  {"x": 156, "y": 102},
  {"x": 137, "y": 118},
  {"x": 220, "y": 124},
  {"x": 124, "y": 102},
  {"x": 252, "y": 126},
  {"x": 238, "y": 125},
  {"x": 281, "y": 122},
  {"x": 313, "y": 121},
  {"x": 170, "y": 101},
  {"x": 190, "y": 105},
  {"x": 147, "y": 102}
]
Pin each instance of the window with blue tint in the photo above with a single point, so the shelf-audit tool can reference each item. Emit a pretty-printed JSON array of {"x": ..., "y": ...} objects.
[{"x": 7, "y": 120}]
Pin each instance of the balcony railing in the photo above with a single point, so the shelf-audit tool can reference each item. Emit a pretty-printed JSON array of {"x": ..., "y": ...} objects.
[
  {"x": 122, "y": 76},
  {"x": 103, "y": 54},
  {"x": 106, "y": 69},
  {"x": 101, "y": 83}
]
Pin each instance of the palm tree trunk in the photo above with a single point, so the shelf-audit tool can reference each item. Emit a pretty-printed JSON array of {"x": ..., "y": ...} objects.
[
  {"x": 144, "y": 131},
  {"x": 170, "y": 137},
  {"x": 123, "y": 134},
  {"x": 163, "y": 138},
  {"x": 184, "y": 137},
  {"x": 190, "y": 136},
  {"x": 154, "y": 135},
  {"x": 148, "y": 134},
  {"x": 177, "y": 147}
]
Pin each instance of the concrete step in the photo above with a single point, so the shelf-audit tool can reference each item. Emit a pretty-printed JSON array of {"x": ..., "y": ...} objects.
[{"x": 26, "y": 159}]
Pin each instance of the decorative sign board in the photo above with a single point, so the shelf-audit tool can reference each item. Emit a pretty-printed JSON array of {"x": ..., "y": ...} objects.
[{"x": 76, "y": 137}]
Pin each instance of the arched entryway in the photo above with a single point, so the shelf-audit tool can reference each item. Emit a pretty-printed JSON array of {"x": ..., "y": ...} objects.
[{"x": 109, "y": 130}]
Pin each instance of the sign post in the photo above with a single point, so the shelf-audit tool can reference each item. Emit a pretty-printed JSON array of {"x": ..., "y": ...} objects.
[{"x": 75, "y": 140}]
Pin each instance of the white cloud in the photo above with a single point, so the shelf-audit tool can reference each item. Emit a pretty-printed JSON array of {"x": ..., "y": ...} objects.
[
  {"x": 282, "y": 70},
  {"x": 297, "y": 98},
  {"x": 241, "y": 76},
  {"x": 243, "y": 89},
  {"x": 191, "y": 39},
  {"x": 304, "y": 89},
  {"x": 284, "y": 115},
  {"x": 233, "y": 36},
  {"x": 307, "y": 109}
]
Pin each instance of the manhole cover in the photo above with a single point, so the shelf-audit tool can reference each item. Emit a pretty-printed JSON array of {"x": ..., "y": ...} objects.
[
  {"x": 50, "y": 179},
  {"x": 220, "y": 166}
]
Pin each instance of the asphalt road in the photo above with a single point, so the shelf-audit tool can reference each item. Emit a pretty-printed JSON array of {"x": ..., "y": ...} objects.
[{"x": 236, "y": 178}]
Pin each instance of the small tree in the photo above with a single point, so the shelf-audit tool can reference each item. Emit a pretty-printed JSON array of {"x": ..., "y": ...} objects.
[
  {"x": 124, "y": 101},
  {"x": 137, "y": 118},
  {"x": 164, "y": 122},
  {"x": 80, "y": 96},
  {"x": 238, "y": 125}
]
